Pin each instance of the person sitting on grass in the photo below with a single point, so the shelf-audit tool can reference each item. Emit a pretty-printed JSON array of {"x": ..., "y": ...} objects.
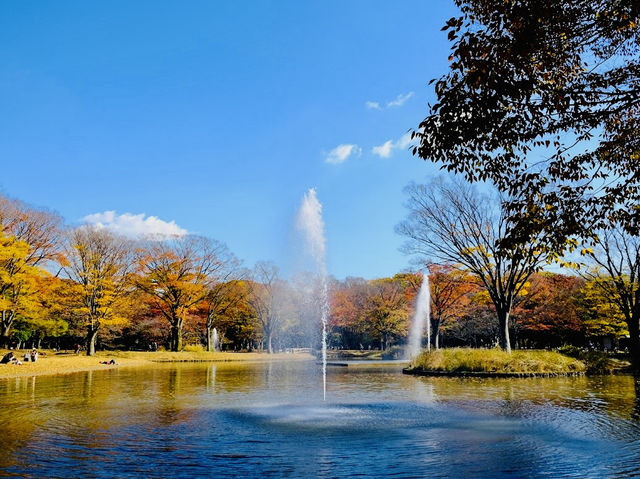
[
  {"x": 10, "y": 358},
  {"x": 34, "y": 355},
  {"x": 7, "y": 358}
]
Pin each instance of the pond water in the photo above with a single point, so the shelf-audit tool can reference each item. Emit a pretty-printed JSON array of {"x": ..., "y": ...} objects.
[{"x": 269, "y": 420}]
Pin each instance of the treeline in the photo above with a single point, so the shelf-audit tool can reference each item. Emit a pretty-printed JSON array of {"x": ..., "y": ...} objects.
[
  {"x": 551, "y": 310},
  {"x": 61, "y": 286}
]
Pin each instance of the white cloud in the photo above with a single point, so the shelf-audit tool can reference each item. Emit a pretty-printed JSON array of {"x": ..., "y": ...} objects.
[
  {"x": 400, "y": 100},
  {"x": 404, "y": 141},
  {"x": 128, "y": 224},
  {"x": 386, "y": 149},
  {"x": 341, "y": 152}
]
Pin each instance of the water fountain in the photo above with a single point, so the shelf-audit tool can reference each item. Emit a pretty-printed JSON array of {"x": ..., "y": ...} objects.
[
  {"x": 421, "y": 318},
  {"x": 310, "y": 223},
  {"x": 216, "y": 339}
]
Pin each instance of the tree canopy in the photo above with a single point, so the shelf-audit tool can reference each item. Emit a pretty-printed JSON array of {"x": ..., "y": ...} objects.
[{"x": 542, "y": 98}]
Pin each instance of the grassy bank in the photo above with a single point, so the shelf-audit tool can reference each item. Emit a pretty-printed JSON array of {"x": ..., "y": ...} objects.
[
  {"x": 62, "y": 363},
  {"x": 458, "y": 361}
]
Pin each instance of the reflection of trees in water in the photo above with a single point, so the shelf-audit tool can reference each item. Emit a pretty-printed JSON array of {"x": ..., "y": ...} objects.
[
  {"x": 169, "y": 407},
  {"x": 86, "y": 389}
]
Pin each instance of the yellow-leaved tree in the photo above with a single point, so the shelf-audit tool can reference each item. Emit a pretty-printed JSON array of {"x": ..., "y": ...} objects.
[
  {"x": 30, "y": 240},
  {"x": 98, "y": 267},
  {"x": 601, "y": 313},
  {"x": 177, "y": 274},
  {"x": 17, "y": 283}
]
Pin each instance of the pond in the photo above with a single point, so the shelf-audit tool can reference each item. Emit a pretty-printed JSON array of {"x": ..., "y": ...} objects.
[{"x": 269, "y": 420}]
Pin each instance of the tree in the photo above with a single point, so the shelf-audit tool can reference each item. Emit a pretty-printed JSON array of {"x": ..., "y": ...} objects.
[
  {"x": 454, "y": 223},
  {"x": 617, "y": 275},
  {"x": 386, "y": 310},
  {"x": 177, "y": 274},
  {"x": 548, "y": 312},
  {"x": 542, "y": 98},
  {"x": 599, "y": 312},
  {"x": 99, "y": 265},
  {"x": 18, "y": 283},
  {"x": 263, "y": 298},
  {"x": 222, "y": 293},
  {"x": 347, "y": 301},
  {"x": 30, "y": 241},
  {"x": 450, "y": 291},
  {"x": 45, "y": 318}
]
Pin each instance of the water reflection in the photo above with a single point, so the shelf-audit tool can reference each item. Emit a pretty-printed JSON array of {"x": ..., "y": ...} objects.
[
  {"x": 636, "y": 411},
  {"x": 270, "y": 420}
]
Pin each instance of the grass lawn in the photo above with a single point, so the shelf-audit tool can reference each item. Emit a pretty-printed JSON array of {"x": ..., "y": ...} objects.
[
  {"x": 495, "y": 361},
  {"x": 52, "y": 362}
]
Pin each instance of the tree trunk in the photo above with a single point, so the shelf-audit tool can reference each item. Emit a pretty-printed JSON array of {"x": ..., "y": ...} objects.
[
  {"x": 176, "y": 338},
  {"x": 5, "y": 327},
  {"x": 503, "y": 328},
  {"x": 92, "y": 333}
]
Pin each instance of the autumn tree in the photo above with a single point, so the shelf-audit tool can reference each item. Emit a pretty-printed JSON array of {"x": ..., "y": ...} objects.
[
  {"x": 31, "y": 241},
  {"x": 265, "y": 288},
  {"x": 99, "y": 264},
  {"x": 599, "y": 311},
  {"x": 386, "y": 309},
  {"x": 177, "y": 274},
  {"x": 236, "y": 323},
  {"x": 548, "y": 311},
  {"x": 616, "y": 272},
  {"x": 450, "y": 292},
  {"x": 452, "y": 222},
  {"x": 347, "y": 301},
  {"x": 46, "y": 317},
  {"x": 542, "y": 98},
  {"x": 18, "y": 283},
  {"x": 222, "y": 293}
]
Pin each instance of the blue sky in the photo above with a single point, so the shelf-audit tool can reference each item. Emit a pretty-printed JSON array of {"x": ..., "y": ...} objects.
[{"x": 218, "y": 116}]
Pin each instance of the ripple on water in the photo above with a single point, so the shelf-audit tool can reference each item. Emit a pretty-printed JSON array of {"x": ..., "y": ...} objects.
[{"x": 182, "y": 423}]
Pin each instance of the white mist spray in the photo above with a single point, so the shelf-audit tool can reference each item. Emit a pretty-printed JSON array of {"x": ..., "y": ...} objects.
[
  {"x": 421, "y": 318},
  {"x": 310, "y": 222}
]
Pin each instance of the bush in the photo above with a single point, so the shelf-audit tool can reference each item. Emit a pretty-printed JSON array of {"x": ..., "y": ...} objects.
[
  {"x": 193, "y": 348},
  {"x": 597, "y": 362}
]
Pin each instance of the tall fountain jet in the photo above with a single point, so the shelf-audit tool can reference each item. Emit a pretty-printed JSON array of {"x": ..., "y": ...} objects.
[
  {"x": 421, "y": 318},
  {"x": 310, "y": 223}
]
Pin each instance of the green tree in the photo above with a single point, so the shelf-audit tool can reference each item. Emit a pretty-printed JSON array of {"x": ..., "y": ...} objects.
[{"x": 542, "y": 98}]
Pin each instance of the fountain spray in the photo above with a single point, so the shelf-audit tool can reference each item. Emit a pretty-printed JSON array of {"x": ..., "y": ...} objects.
[
  {"x": 310, "y": 222},
  {"x": 421, "y": 318}
]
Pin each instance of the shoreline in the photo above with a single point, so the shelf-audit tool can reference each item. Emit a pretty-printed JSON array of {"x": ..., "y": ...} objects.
[{"x": 52, "y": 363}]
